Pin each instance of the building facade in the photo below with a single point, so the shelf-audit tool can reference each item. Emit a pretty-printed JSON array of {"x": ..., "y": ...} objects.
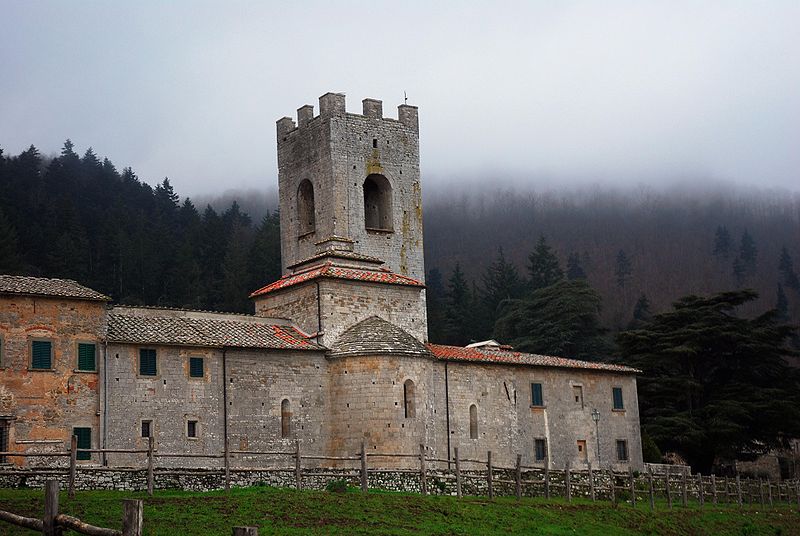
[{"x": 335, "y": 355}]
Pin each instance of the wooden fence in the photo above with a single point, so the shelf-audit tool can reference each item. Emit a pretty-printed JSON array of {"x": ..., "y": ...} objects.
[
  {"x": 54, "y": 523},
  {"x": 483, "y": 477}
]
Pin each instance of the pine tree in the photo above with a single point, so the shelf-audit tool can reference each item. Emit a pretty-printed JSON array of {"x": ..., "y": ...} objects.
[
  {"x": 715, "y": 386},
  {"x": 10, "y": 260},
  {"x": 458, "y": 309},
  {"x": 744, "y": 266},
  {"x": 786, "y": 268},
  {"x": 544, "y": 267},
  {"x": 623, "y": 269},
  {"x": 561, "y": 319},
  {"x": 781, "y": 305},
  {"x": 501, "y": 282},
  {"x": 722, "y": 243},
  {"x": 574, "y": 268},
  {"x": 435, "y": 296},
  {"x": 641, "y": 312}
]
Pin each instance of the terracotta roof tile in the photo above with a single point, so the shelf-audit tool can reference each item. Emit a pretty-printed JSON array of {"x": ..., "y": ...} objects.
[
  {"x": 332, "y": 271},
  {"x": 43, "y": 286},
  {"x": 460, "y": 353},
  {"x": 374, "y": 336},
  {"x": 237, "y": 331}
]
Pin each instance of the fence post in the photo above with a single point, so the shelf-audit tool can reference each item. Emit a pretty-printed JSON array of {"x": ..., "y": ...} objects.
[
  {"x": 423, "y": 483},
  {"x": 684, "y": 498},
  {"x": 547, "y": 480},
  {"x": 761, "y": 490},
  {"x": 363, "y": 467},
  {"x": 739, "y": 490},
  {"x": 591, "y": 482},
  {"x": 713, "y": 488},
  {"x": 245, "y": 531},
  {"x": 633, "y": 486},
  {"x": 567, "y": 482},
  {"x": 652, "y": 491},
  {"x": 667, "y": 488},
  {"x": 769, "y": 489},
  {"x": 298, "y": 475},
  {"x": 727, "y": 489},
  {"x": 490, "y": 475},
  {"x": 132, "y": 517},
  {"x": 519, "y": 477},
  {"x": 150, "y": 463},
  {"x": 797, "y": 492},
  {"x": 51, "y": 528},
  {"x": 458, "y": 473},
  {"x": 612, "y": 486},
  {"x": 700, "y": 490},
  {"x": 73, "y": 463}
]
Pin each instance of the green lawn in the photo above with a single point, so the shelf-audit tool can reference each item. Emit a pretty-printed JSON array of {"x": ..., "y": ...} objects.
[{"x": 282, "y": 511}]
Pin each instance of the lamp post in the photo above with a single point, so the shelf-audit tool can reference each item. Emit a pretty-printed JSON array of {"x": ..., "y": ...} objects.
[{"x": 596, "y": 419}]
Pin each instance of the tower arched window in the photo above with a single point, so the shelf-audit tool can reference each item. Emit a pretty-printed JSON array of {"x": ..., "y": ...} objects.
[
  {"x": 409, "y": 404},
  {"x": 286, "y": 418},
  {"x": 377, "y": 203},
  {"x": 306, "y": 217},
  {"x": 473, "y": 422}
]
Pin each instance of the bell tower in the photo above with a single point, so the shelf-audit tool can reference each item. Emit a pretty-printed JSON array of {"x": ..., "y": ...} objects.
[
  {"x": 350, "y": 183},
  {"x": 351, "y": 220}
]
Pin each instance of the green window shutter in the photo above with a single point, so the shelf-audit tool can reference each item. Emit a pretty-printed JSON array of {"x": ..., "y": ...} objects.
[
  {"x": 84, "y": 436},
  {"x": 618, "y": 402},
  {"x": 41, "y": 355},
  {"x": 86, "y": 357},
  {"x": 196, "y": 369},
  {"x": 147, "y": 362},
  {"x": 537, "y": 399}
]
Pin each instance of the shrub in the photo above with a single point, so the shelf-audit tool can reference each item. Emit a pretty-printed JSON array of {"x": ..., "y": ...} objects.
[{"x": 337, "y": 486}]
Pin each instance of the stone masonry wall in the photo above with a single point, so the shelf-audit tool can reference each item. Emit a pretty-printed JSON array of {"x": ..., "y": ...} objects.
[{"x": 44, "y": 405}]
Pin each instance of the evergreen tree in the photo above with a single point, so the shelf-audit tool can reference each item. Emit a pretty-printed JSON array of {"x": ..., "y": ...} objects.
[
  {"x": 459, "y": 309},
  {"x": 786, "y": 268},
  {"x": 623, "y": 269},
  {"x": 722, "y": 243},
  {"x": 561, "y": 319},
  {"x": 544, "y": 267},
  {"x": 641, "y": 312},
  {"x": 435, "y": 303},
  {"x": 501, "y": 282},
  {"x": 266, "y": 253},
  {"x": 781, "y": 305},
  {"x": 574, "y": 268},
  {"x": 715, "y": 386},
  {"x": 744, "y": 266},
  {"x": 10, "y": 260}
]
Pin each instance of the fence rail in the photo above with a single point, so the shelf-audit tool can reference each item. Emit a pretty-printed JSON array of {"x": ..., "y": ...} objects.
[{"x": 674, "y": 486}]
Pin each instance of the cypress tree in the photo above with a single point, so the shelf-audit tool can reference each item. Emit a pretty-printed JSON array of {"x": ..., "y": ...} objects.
[{"x": 544, "y": 267}]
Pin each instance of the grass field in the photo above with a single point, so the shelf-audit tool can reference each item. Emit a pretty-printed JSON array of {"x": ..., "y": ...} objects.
[{"x": 282, "y": 511}]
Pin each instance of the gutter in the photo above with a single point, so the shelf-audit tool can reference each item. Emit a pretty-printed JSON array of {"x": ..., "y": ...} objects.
[
  {"x": 225, "y": 402},
  {"x": 447, "y": 410},
  {"x": 105, "y": 399}
]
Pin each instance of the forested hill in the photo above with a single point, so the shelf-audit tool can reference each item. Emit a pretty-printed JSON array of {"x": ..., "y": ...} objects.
[{"x": 79, "y": 217}]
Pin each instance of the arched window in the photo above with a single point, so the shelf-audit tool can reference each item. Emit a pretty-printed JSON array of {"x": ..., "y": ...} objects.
[
  {"x": 305, "y": 207},
  {"x": 286, "y": 418},
  {"x": 408, "y": 399},
  {"x": 473, "y": 422},
  {"x": 377, "y": 203}
]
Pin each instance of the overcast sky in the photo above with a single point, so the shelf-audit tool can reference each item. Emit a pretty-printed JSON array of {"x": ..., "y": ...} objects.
[{"x": 608, "y": 92}]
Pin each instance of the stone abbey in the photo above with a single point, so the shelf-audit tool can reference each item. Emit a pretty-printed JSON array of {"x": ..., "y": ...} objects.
[{"x": 336, "y": 353}]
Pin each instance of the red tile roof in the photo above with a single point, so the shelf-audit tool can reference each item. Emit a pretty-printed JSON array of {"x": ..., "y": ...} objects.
[
  {"x": 338, "y": 272},
  {"x": 460, "y": 353}
]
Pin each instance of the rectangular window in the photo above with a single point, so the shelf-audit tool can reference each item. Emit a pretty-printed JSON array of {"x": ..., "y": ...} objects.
[
  {"x": 622, "y": 450},
  {"x": 537, "y": 399},
  {"x": 191, "y": 428},
  {"x": 87, "y": 357},
  {"x": 147, "y": 428},
  {"x": 539, "y": 449},
  {"x": 577, "y": 394},
  {"x": 84, "y": 436},
  {"x": 5, "y": 428},
  {"x": 618, "y": 403},
  {"x": 196, "y": 367},
  {"x": 41, "y": 355},
  {"x": 147, "y": 362}
]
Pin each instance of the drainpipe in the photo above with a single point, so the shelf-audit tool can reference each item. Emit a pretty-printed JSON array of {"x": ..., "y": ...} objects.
[
  {"x": 105, "y": 399},
  {"x": 447, "y": 410},
  {"x": 225, "y": 402}
]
